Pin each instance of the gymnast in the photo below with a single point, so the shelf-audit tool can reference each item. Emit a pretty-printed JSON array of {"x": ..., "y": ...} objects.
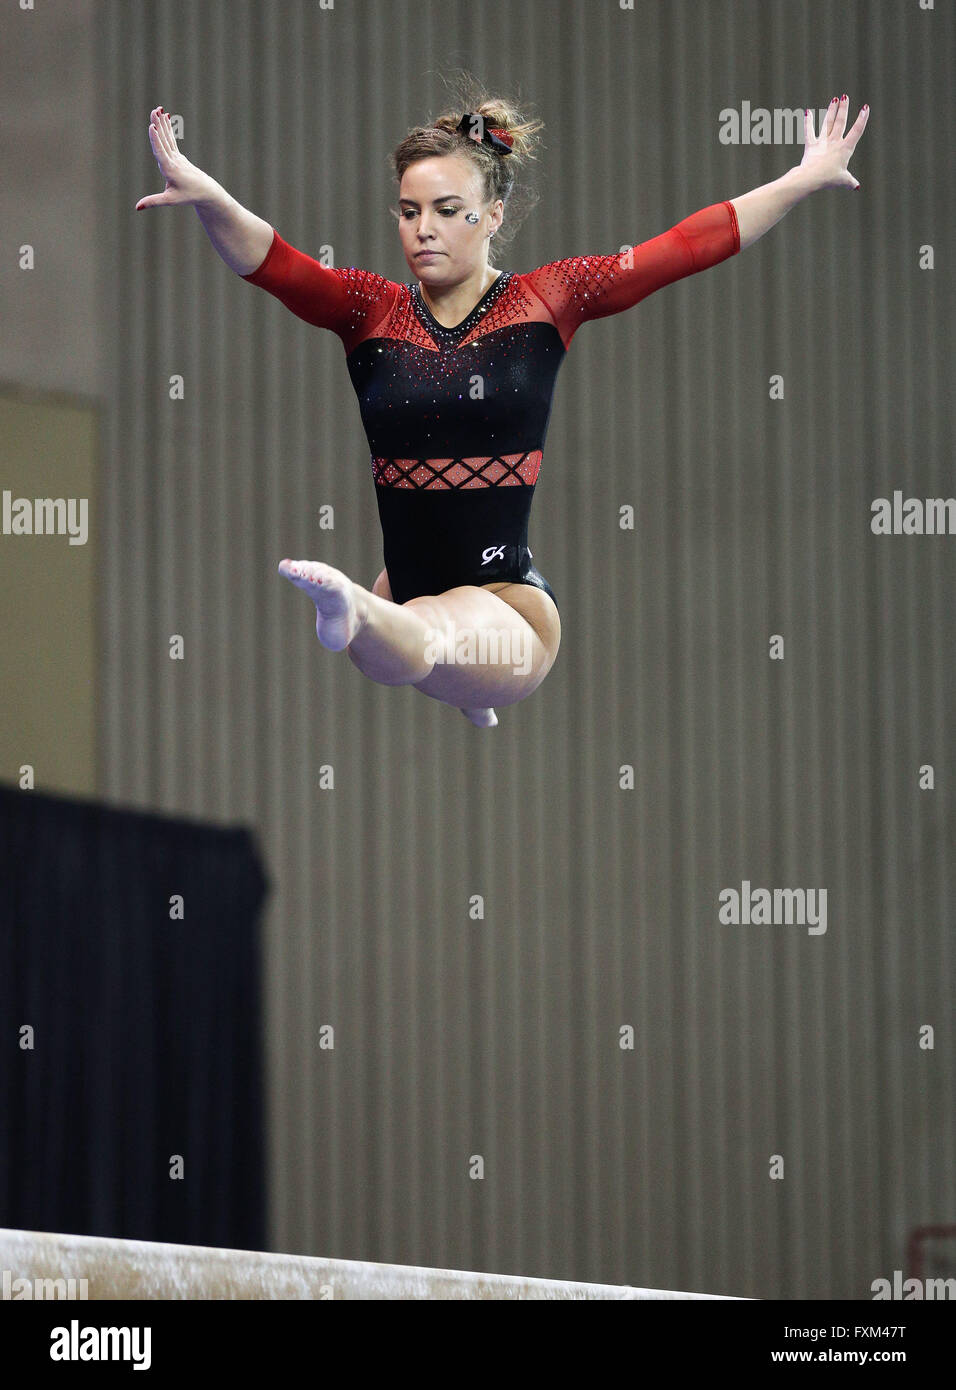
[{"x": 454, "y": 373}]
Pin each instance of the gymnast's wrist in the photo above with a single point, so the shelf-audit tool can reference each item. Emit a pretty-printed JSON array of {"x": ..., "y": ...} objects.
[
  {"x": 212, "y": 197},
  {"x": 802, "y": 180}
]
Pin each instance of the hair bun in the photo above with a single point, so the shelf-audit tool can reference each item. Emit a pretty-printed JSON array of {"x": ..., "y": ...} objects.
[{"x": 474, "y": 126}]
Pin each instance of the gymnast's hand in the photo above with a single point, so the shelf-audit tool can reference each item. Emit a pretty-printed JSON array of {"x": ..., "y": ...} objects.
[
  {"x": 825, "y": 157},
  {"x": 184, "y": 182}
]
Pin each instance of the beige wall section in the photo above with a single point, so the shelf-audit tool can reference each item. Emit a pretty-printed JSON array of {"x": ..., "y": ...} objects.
[
  {"x": 49, "y": 205},
  {"x": 51, "y": 384},
  {"x": 48, "y": 598}
]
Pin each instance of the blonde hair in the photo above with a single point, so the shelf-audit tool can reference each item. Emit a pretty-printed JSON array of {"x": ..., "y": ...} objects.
[{"x": 499, "y": 172}]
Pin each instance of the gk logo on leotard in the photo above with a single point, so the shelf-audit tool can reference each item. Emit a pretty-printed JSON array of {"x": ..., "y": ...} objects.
[{"x": 491, "y": 553}]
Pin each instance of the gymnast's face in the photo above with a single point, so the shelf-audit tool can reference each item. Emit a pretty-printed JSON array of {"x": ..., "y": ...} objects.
[{"x": 434, "y": 196}]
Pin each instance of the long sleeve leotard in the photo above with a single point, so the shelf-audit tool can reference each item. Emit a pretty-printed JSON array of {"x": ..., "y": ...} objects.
[{"x": 456, "y": 418}]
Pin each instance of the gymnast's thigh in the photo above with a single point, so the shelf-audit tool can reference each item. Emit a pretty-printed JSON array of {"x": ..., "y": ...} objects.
[
  {"x": 537, "y": 608},
  {"x": 491, "y": 678}
]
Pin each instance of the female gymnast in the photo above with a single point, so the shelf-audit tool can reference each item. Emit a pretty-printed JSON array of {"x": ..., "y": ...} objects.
[{"x": 455, "y": 373}]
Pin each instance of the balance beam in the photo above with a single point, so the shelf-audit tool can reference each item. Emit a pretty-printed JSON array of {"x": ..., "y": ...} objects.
[{"x": 38, "y": 1264}]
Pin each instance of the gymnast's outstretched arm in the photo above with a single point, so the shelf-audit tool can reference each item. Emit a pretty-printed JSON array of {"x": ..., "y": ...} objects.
[
  {"x": 824, "y": 165},
  {"x": 242, "y": 239},
  {"x": 580, "y": 288},
  {"x": 342, "y": 300}
]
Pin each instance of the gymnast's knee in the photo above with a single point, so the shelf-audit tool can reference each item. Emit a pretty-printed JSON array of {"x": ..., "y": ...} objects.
[
  {"x": 436, "y": 620},
  {"x": 381, "y": 588}
]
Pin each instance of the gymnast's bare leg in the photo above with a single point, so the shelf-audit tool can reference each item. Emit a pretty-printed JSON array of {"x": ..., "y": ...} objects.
[{"x": 393, "y": 643}]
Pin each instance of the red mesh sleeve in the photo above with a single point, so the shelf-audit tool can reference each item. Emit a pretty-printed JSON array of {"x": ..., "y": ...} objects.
[
  {"x": 591, "y": 287},
  {"x": 348, "y": 301}
]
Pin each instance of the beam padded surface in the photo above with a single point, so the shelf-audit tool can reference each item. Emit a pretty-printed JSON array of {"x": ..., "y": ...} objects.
[{"x": 141, "y": 1269}]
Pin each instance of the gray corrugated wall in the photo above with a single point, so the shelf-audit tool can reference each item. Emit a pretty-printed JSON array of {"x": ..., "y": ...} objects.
[{"x": 501, "y": 1037}]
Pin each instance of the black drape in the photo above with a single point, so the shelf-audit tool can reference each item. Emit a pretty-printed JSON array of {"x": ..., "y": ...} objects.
[{"x": 147, "y": 1036}]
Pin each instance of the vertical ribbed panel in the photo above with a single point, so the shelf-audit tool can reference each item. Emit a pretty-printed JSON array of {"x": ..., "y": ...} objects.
[{"x": 501, "y": 1037}]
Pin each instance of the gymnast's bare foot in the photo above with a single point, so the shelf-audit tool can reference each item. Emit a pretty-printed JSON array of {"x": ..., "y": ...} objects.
[
  {"x": 481, "y": 718},
  {"x": 341, "y": 613}
]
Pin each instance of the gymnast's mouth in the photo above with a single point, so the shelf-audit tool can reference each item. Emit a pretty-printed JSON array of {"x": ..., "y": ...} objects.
[{"x": 428, "y": 253}]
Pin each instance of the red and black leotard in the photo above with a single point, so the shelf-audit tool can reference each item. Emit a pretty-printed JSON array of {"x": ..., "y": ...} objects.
[{"x": 456, "y": 418}]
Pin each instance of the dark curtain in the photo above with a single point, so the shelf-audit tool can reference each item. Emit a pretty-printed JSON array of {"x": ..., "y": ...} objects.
[{"x": 147, "y": 1035}]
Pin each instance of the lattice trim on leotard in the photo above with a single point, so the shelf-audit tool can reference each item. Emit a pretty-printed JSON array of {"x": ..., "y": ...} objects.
[{"x": 505, "y": 470}]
